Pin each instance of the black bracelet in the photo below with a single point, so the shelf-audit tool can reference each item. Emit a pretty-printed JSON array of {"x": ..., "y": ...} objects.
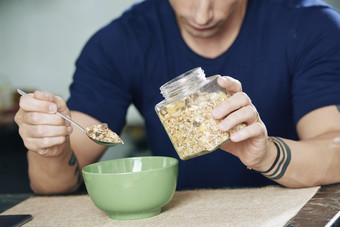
[
  {"x": 276, "y": 159},
  {"x": 285, "y": 160}
]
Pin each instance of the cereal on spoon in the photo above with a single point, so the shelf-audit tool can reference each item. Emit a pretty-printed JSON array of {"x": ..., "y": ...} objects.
[{"x": 103, "y": 133}]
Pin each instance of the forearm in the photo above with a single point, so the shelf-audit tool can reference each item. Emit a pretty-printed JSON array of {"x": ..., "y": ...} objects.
[
  {"x": 54, "y": 175},
  {"x": 312, "y": 162}
]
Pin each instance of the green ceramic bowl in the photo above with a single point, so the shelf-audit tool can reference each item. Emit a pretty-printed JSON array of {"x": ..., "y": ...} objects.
[{"x": 132, "y": 188}]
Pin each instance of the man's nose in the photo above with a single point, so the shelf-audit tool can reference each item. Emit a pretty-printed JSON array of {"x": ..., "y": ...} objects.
[{"x": 202, "y": 11}]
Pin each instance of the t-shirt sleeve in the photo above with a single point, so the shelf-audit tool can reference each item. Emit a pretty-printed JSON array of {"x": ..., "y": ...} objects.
[
  {"x": 100, "y": 86},
  {"x": 314, "y": 58}
]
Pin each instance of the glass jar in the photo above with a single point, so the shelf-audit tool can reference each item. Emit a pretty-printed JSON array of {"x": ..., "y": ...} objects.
[{"x": 186, "y": 113}]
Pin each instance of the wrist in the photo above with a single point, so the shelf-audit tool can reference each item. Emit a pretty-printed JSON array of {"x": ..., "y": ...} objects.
[
  {"x": 50, "y": 165},
  {"x": 53, "y": 174},
  {"x": 271, "y": 142},
  {"x": 270, "y": 158},
  {"x": 281, "y": 162},
  {"x": 56, "y": 154}
]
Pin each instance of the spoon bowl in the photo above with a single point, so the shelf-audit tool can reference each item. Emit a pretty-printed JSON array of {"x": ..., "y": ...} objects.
[
  {"x": 101, "y": 142},
  {"x": 104, "y": 143}
]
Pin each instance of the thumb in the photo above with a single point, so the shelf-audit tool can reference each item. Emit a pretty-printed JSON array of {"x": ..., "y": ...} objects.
[
  {"x": 230, "y": 84},
  {"x": 56, "y": 103}
]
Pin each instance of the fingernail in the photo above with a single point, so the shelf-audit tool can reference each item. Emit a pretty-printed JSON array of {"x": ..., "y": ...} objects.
[
  {"x": 52, "y": 108},
  {"x": 235, "y": 137},
  {"x": 224, "y": 78},
  {"x": 69, "y": 129}
]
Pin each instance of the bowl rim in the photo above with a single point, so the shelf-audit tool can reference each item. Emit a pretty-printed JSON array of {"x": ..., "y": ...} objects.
[{"x": 128, "y": 158}]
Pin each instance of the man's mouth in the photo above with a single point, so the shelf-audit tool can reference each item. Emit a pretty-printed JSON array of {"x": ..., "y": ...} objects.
[{"x": 200, "y": 28}]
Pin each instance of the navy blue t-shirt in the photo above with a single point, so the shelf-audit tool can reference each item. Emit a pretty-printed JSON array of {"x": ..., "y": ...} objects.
[{"x": 287, "y": 57}]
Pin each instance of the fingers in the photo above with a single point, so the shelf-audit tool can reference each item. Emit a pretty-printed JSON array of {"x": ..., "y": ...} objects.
[
  {"x": 27, "y": 119},
  {"x": 47, "y": 146},
  {"x": 41, "y": 131},
  {"x": 40, "y": 128},
  {"x": 230, "y": 84},
  {"x": 239, "y": 109},
  {"x": 256, "y": 129},
  {"x": 53, "y": 99},
  {"x": 235, "y": 102},
  {"x": 39, "y": 138},
  {"x": 36, "y": 118},
  {"x": 247, "y": 114},
  {"x": 37, "y": 103},
  {"x": 43, "y": 102}
]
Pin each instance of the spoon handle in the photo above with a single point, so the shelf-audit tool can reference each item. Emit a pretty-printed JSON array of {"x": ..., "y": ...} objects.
[
  {"x": 69, "y": 120},
  {"x": 59, "y": 114}
]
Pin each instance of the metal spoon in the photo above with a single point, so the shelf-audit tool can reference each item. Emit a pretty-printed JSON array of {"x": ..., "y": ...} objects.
[{"x": 105, "y": 143}]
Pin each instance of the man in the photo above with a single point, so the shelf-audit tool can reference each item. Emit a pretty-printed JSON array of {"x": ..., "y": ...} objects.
[{"x": 282, "y": 59}]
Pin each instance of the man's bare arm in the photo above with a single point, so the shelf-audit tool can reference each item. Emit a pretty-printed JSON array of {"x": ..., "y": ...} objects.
[
  {"x": 315, "y": 159},
  {"x": 56, "y": 152}
]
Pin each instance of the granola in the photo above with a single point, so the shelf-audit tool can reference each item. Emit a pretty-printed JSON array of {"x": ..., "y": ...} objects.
[
  {"x": 102, "y": 132},
  {"x": 189, "y": 124}
]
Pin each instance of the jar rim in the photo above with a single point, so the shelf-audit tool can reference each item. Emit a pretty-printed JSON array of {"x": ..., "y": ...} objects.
[{"x": 181, "y": 78}]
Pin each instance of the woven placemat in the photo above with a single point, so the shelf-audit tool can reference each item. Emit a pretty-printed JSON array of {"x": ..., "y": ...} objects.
[{"x": 268, "y": 206}]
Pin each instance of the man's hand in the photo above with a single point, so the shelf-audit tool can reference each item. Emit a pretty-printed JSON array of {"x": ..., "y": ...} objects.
[
  {"x": 42, "y": 131},
  {"x": 53, "y": 167},
  {"x": 249, "y": 144}
]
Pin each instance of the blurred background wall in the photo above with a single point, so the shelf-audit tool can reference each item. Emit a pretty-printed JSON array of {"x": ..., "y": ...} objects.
[
  {"x": 335, "y": 3},
  {"x": 41, "y": 39},
  {"x": 39, "y": 43}
]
